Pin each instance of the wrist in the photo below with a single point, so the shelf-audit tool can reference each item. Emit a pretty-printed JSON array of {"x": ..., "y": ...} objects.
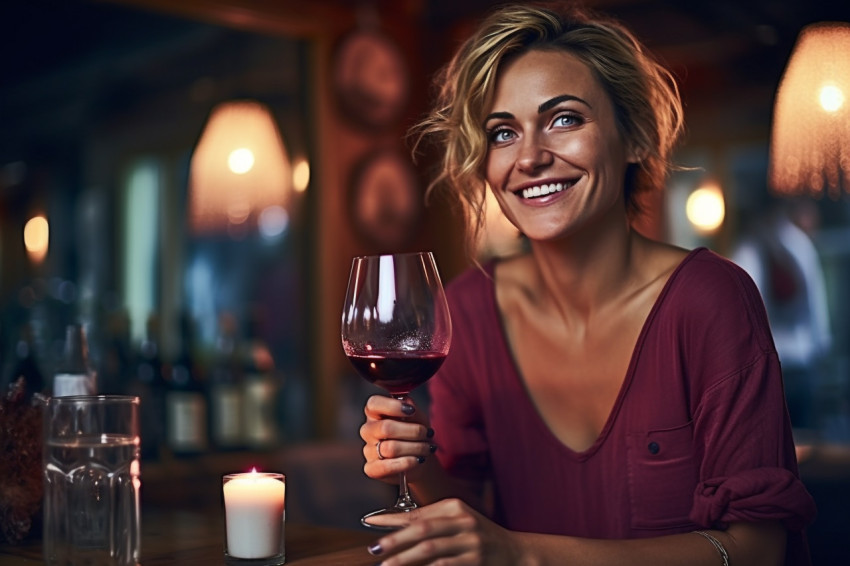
[{"x": 522, "y": 550}]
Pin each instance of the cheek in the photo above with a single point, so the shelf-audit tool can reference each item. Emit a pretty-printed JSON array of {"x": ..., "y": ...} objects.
[
  {"x": 497, "y": 165},
  {"x": 592, "y": 151}
]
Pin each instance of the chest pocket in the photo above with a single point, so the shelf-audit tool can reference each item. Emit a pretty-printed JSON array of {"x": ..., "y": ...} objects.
[{"x": 662, "y": 477}]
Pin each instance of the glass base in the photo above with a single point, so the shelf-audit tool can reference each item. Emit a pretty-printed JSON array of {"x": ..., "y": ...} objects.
[
  {"x": 404, "y": 504},
  {"x": 373, "y": 520},
  {"x": 275, "y": 560}
]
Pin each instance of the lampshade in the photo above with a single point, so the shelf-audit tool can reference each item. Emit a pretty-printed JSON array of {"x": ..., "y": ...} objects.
[
  {"x": 810, "y": 141},
  {"x": 239, "y": 168}
]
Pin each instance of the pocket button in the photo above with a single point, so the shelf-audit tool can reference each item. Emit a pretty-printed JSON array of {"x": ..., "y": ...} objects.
[{"x": 653, "y": 448}]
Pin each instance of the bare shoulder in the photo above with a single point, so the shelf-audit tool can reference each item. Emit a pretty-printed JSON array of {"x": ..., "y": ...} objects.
[{"x": 657, "y": 260}]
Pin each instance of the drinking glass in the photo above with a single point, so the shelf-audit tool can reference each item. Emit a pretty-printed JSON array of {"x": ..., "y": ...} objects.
[
  {"x": 91, "y": 480},
  {"x": 396, "y": 330}
]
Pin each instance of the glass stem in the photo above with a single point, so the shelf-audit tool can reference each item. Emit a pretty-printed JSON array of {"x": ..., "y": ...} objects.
[{"x": 405, "y": 501}]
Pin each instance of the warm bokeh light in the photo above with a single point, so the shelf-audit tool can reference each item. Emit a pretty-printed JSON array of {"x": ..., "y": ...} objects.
[
  {"x": 239, "y": 168},
  {"x": 831, "y": 98},
  {"x": 241, "y": 160},
  {"x": 36, "y": 238},
  {"x": 706, "y": 209},
  {"x": 810, "y": 141},
  {"x": 301, "y": 174},
  {"x": 273, "y": 221}
]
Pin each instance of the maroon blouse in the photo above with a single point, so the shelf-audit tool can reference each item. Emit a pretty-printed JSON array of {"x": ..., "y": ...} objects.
[{"x": 698, "y": 437}]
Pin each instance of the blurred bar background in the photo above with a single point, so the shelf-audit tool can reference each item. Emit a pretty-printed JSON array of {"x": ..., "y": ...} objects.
[{"x": 225, "y": 316}]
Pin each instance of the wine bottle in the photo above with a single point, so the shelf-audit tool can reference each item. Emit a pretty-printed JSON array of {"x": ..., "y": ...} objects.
[
  {"x": 74, "y": 375},
  {"x": 225, "y": 389},
  {"x": 116, "y": 362},
  {"x": 25, "y": 365},
  {"x": 262, "y": 429},
  {"x": 185, "y": 402},
  {"x": 147, "y": 381}
]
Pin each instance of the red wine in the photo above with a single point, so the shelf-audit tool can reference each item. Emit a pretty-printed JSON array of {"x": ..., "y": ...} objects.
[{"x": 397, "y": 372}]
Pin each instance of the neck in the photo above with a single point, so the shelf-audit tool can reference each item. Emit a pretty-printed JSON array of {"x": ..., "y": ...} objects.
[{"x": 584, "y": 273}]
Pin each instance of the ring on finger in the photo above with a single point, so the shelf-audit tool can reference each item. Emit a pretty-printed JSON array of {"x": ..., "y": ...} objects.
[{"x": 378, "y": 449}]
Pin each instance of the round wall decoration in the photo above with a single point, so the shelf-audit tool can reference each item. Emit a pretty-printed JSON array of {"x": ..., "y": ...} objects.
[
  {"x": 385, "y": 200},
  {"x": 370, "y": 79}
]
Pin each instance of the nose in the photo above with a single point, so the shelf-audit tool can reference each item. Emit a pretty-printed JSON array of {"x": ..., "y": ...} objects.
[{"x": 532, "y": 155}]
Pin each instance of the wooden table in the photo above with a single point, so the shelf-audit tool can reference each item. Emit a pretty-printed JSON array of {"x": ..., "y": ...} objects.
[{"x": 178, "y": 537}]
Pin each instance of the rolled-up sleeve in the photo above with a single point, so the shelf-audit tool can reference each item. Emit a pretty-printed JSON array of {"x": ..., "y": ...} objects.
[
  {"x": 749, "y": 469},
  {"x": 756, "y": 495}
]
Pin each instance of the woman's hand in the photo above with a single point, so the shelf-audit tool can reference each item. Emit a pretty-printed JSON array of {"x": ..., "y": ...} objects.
[
  {"x": 397, "y": 438},
  {"x": 448, "y": 531}
]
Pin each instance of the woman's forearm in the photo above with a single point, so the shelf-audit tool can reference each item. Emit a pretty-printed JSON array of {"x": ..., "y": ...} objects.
[{"x": 746, "y": 544}]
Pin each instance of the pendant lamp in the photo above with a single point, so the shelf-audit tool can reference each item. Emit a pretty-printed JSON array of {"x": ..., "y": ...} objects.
[
  {"x": 810, "y": 140},
  {"x": 238, "y": 169}
]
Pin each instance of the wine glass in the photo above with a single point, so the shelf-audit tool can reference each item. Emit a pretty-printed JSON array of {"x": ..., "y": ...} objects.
[{"x": 396, "y": 330}]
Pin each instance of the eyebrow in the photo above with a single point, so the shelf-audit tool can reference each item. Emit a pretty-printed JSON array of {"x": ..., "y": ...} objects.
[
  {"x": 544, "y": 107},
  {"x": 552, "y": 102},
  {"x": 499, "y": 115}
]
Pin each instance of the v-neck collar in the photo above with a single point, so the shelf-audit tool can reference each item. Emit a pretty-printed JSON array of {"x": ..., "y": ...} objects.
[{"x": 516, "y": 375}]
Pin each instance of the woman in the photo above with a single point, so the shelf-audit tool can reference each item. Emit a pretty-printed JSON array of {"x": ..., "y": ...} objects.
[{"x": 608, "y": 399}]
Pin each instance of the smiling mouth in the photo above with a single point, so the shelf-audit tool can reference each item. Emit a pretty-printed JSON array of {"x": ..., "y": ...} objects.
[{"x": 538, "y": 191}]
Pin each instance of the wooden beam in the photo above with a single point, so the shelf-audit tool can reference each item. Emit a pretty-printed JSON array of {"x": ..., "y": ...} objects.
[{"x": 293, "y": 18}]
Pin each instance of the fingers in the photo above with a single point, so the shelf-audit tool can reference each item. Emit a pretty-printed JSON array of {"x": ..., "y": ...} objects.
[
  {"x": 380, "y": 407},
  {"x": 398, "y": 437},
  {"x": 373, "y": 431},
  {"x": 444, "y": 529},
  {"x": 398, "y": 457},
  {"x": 460, "y": 550},
  {"x": 403, "y": 437},
  {"x": 386, "y": 449}
]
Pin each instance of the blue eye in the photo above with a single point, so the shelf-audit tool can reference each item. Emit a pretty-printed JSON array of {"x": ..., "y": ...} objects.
[
  {"x": 500, "y": 135},
  {"x": 567, "y": 120}
]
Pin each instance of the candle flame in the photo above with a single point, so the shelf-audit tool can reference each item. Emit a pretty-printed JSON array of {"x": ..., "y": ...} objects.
[{"x": 254, "y": 470}]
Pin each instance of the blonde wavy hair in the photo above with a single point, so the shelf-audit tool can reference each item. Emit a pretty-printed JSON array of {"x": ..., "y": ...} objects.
[{"x": 647, "y": 105}]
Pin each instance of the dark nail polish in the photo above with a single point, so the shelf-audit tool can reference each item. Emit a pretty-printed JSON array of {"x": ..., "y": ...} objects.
[
  {"x": 430, "y": 433},
  {"x": 407, "y": 409},
  {"x": 421, "y": 459},
  {"x": 375, "y": 549},
  {"x": 432, "y": 448}
]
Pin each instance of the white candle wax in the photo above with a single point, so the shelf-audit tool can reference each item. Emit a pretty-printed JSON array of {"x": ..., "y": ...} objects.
[{"x": 254, "y": 504}]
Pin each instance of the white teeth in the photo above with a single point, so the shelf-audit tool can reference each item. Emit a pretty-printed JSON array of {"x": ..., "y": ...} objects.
[{"x": 542, "y": 190}]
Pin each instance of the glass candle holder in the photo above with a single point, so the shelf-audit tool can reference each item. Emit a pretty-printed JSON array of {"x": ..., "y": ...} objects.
[{"x": 255, "y": 517}]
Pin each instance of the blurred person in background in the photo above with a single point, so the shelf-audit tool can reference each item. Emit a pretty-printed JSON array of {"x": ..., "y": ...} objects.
[{"x": 780, "y": 256}]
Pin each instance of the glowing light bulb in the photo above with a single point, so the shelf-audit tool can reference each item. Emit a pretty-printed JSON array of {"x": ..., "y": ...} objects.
[
  {"x": 241, "y": 160},
  {"x": 37, "y": 237},
  {"x": 301, "y": 175},
  {"x": 831, "y": 98},
  {"x": 706, "y": 209}
]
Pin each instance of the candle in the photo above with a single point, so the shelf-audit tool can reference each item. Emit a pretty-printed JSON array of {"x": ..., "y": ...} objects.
[{"x": 254, "y": 514}]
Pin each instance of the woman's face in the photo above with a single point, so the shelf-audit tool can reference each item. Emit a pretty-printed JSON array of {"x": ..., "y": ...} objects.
[{"x": 555, "y": 159}]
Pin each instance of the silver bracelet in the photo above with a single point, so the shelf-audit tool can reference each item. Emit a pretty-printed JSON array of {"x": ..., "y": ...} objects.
[{"x": 716, "y": 544}]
